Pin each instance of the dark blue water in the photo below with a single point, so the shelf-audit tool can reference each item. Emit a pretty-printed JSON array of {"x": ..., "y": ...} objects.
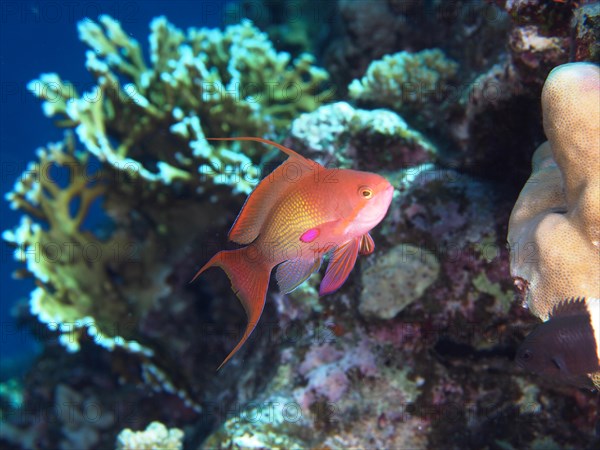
[{"x": 40, "y": 37}]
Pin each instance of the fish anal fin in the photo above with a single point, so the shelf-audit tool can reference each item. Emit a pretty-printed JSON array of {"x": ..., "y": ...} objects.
[
  {"x": 294, "y": 272},
  {"x": 340, "y": 265}
]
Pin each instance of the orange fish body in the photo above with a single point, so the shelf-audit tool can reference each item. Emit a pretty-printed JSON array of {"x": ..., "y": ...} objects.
[{"x": 293, "y": 218}]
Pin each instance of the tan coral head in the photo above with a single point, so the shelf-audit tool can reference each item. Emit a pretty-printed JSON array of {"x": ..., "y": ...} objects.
[
  {"x": 554, "y": 231},
  {"x": 554, "y": 228}
]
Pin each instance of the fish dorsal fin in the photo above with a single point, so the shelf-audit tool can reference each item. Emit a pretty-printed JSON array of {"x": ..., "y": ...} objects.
[
  {"x": 251, "y": 218},
  {"x": 573, "y": 306}
]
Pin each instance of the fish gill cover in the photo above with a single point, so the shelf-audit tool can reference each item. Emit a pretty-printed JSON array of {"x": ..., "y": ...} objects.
[{"x": 415, "y": 350}]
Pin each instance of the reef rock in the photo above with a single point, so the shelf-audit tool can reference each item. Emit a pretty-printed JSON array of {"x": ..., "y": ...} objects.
[{"x": 396, "y": 279}]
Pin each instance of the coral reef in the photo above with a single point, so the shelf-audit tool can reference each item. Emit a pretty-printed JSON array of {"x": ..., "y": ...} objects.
[
  {"x": 155, "y": 437},
  {"x": 363, "y": 34},
  {"x": 554, "y": 229},
  {"x": 116, "y": 217},
  {"x": 436, "y": 373},
  {"x": 154, "y": 122}
]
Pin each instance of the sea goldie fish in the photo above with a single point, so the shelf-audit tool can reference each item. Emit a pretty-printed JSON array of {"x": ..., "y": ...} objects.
[{"x": 296, "y": 216}]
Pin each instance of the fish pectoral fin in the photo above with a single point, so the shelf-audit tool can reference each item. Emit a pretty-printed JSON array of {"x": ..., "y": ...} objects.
[
  {"x": 367, "y": 245},
  {"x": 341, "y": 263},
  {"x": 294, "y": 272}
]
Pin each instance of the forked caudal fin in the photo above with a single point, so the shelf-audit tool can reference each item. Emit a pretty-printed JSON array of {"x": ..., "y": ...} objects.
[{"x": 249, "y": 277}]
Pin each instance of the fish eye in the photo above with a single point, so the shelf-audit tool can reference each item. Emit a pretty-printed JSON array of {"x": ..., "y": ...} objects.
[
  {"x": 526, "y": 355},
  {"x": 365, "y": 192}
]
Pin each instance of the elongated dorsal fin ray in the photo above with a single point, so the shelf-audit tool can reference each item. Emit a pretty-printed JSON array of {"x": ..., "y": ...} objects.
[{"x": 286, "y": 150}]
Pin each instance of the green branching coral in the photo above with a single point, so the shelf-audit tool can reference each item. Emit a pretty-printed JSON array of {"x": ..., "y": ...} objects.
[
  {"x": 71, "y": 265},
  {"x": 206, "y": 83},
  {"x": 404, "y": 80}
]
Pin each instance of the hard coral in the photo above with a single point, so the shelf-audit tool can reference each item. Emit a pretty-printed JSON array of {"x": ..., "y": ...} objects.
[
  {"x": 73, "y": 267},
  {"x": 405, "y": 80},
  {"x": 396, "y": 279},
  {"x": 336, "y": 134},
  {"x": 209, "y": 82},
  {"x": 554, "y": 229},
  {"x": 155, "y": 436}
]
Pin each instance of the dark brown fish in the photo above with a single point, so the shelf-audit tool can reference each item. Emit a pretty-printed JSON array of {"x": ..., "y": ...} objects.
[{"x": 563, "y": 348}]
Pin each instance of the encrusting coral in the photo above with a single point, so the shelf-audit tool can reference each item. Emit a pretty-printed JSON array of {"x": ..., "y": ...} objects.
[
  {"x": 396, "y": 279},
  {"x": 334, "y": 134},
  {"x": 554, "y": 229}
]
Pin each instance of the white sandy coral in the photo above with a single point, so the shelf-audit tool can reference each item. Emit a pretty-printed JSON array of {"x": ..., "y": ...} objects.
[
  {"x": 554, "y": 229},
  {"x": 155, "y": 437}
]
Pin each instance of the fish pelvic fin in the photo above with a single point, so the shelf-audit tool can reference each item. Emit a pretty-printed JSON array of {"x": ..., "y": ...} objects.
[{"x": 249, "y": 276}]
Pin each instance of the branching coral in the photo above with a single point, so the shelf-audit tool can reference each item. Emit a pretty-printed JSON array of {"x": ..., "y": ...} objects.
[
  {"x": 404, "y": 80},
  {"x": 72, "y": 266},
  {"x": 554, "y": 229},
  {"x": 207, "y": 82}
]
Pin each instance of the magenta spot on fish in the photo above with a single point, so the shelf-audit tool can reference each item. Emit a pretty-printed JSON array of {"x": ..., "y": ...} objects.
[{"x": 310, "y": 235}]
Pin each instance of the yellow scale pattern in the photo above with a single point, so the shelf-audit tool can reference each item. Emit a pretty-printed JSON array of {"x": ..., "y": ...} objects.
[{"x": 302, "y": 209}]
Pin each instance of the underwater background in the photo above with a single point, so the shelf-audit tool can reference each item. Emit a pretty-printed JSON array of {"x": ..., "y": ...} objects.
[{"x": 115, "y": 198}]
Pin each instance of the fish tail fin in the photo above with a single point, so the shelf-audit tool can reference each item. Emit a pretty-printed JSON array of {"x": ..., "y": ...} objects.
[{"x": 249, "y": 276}]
